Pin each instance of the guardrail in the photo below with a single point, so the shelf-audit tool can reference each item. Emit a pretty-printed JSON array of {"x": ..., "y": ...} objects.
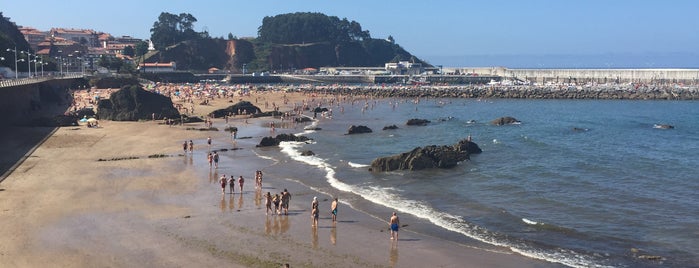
[{"x": 33, "y": 80}]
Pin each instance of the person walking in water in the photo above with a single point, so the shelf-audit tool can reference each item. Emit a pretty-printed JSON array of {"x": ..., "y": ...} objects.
[
  {"x": 191, "y": 146},
  {"x": 394, "y": 222},
  {"x": 240, "y": 182},
  {"x": 223, "y": 182},
  {"x": 231, "y": 184},
  {"x": 216, "y": 159},
  {"x": 184, "y": 146}
]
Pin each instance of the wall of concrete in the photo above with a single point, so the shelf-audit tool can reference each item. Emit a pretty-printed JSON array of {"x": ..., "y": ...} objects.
[
  {"x": 660, "y": 76},
  {"x": 23, "y": 102}
]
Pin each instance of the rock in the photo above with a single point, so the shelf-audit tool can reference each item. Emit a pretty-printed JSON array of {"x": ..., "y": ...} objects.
[
  {"x": 663, "y": 126},
  {"x": 507, "y": 120},
  {"x": 303, "y": 119},
  {"x": 432, "y": 156},
  {"x": 242, "y": 107},
  {"x": 651, "y": 257},
  {"x": 270, "y": 141},
  {"x": 390, "y": 127},
  {"x": 417, "y": 122},
  {"x": 358, "y": 129},
  {"x": 307, "y": 153},
  {"x": 320, "y": 110},
  {"x": 132, "y": 103}
]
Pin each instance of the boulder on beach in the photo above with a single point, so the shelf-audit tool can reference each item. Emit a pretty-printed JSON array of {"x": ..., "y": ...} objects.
[
  {"x": 132, "y": 103},
  {"x": 390, "y": 127},
  {"x": 274, "y": 141},
  {"x": 507, "y": 120},
  {"x": 432, "y": 156},
  {"x": 307, "y": 153},
  {"x": 242, "y": 107},
  {"x": 358, "y": 130},
  {"x": 417, "y": 122}
]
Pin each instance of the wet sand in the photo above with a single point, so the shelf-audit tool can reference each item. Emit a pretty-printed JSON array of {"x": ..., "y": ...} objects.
[{"x": 62, "y": 207}]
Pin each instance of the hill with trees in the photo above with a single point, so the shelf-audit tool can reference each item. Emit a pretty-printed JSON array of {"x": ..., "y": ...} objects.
[
  {"x": 11, "y": 37},
  {"x": 285, "y": 42}
]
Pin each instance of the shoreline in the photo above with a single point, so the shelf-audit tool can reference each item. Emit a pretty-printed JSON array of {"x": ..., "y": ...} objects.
[{"x": 64, "y": 207}]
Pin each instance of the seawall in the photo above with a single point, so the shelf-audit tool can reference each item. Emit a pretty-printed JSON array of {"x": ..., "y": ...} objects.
[{"x": 22, "y": 102}]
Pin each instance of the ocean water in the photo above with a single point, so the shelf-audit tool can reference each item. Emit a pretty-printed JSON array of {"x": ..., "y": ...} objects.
[{"x": 584, "y": 183}]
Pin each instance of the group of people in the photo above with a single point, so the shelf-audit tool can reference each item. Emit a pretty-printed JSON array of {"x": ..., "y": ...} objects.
[
  {"x": 231, "y": 183},
  {"x": 315, "y": 211},
  {"x": 280, "y": 202}
]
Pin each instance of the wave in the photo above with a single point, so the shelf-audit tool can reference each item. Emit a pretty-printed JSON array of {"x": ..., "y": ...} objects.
[
  {"x": 355, "y": 165},
  {"x": 390, "y": 197}
]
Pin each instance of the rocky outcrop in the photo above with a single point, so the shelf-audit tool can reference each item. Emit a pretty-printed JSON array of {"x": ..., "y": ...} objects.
[
  {"x": 390, "y": 127},
  {"x": 417, "y": 122},
  {"x": 507, "y": 120},
  {"x": 243, "y": 107},
  {"x": 358, "y": 130},
  {"x": 274, "y": 141},
  {"x": 132, "y": 103},
  {"x": 432, "y": 156},
  {"x": 307, "y": 153}
]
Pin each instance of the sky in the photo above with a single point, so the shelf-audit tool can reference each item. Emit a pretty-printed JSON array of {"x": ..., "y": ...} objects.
[{"x": 511, "y": 33}]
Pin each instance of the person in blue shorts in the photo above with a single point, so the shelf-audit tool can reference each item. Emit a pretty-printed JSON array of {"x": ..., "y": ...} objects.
[{"x": 394, "y": 222}]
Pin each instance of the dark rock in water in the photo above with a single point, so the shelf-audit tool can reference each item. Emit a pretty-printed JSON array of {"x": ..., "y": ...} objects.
[
  {"x": 242, "y": 107},
  {"x": 307, "y": 153},
  {"x": 417, "y": 122},
  {"x": 507, "y": 120},
  {"x": 390, "y": 127},
  {"x": 270, "y": 141},
  {"x": 269, "y": 113},
  {"x": 577, "y": 129},
  {"x": 132, "y": 103},
  {"x": 231, "y": 129},
  {"x": 358, "y": 129},
  {"x": 432, "y": 156},
  {"x": 303, "y": 119},
  {"x": 663, "y": 126},
  {"x": 320, "y": 110}
]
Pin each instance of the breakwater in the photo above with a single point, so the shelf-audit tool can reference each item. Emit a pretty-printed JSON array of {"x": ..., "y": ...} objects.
[
  {"x": 581, "y": 76},
  {"x": 613, "y": 92}
]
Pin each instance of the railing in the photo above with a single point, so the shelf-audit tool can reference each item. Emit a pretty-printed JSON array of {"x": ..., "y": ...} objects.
[{"x": 39, "y": 79}]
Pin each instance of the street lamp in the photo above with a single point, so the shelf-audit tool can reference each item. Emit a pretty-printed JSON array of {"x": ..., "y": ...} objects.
[
  {"x": 29, "y": 61},
  {"x": 244, "y": 65},
  {"x": 15, "y": 51}
]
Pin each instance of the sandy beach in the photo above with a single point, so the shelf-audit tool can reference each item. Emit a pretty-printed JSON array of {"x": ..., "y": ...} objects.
[{"x": 62, "y": 207}]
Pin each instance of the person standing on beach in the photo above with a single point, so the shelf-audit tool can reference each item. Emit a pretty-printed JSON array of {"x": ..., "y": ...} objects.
[
  {"x": 314, "y": 216},
  {"x": 210, "y": 158},
  {"x": 216, "y": 159},
  {"x": 223, "y": 181},
  {"x": 240, "y": 182},
  {"x": 191, "y": 146},
  {"x": 275, "y": 201},
  {"x": 184, "y": 146},
  {"x": 333, "y": 209},
  {"x": 208, "y": 141},
  {"x": 394, "y": 222},
  {"x": 286, "y": 197},
  {"x": 268, "y": 203},
  {"x": 231, "y": 184}
]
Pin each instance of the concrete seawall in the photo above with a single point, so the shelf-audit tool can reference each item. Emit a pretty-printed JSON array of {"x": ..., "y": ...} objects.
[
  {"x": 22, "y": 102},
  {"x": 542, "y": 76}
]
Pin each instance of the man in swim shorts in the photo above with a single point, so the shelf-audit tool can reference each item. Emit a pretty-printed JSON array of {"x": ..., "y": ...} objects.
[
  {"x": 333, "y": 210},
  {"x": 395, "y": 222}
]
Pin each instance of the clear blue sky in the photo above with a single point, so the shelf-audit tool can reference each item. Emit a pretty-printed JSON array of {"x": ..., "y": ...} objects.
[{"x": 442, "y": 32}]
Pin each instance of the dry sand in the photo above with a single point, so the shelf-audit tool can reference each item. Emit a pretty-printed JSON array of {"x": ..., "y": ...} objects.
[{"x": 62, "y": 207}]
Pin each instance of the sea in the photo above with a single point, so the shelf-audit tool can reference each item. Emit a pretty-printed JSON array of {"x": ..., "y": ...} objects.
[{"x": 582, "y": 183}]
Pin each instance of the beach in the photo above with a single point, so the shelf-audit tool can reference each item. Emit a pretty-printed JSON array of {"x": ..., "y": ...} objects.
[{"x": 63, "y": 207}]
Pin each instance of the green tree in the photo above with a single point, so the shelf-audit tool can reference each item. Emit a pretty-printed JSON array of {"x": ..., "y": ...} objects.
[
  {"x": 171, "y": 29},
  {"x": 141, "y": 48},
  {"x": 128, "y": 51}
]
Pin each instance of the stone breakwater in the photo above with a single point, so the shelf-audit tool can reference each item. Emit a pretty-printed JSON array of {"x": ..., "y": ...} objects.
[{"x": 612, "y": 92}]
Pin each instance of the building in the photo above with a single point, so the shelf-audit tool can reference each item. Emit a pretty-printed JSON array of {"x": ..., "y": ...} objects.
[
  {"x": 33, "y": 36},
  {"x": 88, "y": 38},
  {"x": 404, "y": 68},
  {"x": 157, "y": 67}
]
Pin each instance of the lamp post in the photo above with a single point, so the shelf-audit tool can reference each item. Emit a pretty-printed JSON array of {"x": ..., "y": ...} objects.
[
  {"x": 244, "y": 65},
  {"x": 29, "y": 61},
  {"x": 15, "y": 51}
]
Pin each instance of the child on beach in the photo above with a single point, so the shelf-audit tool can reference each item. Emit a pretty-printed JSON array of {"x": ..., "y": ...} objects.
[
  {"x": 184, "y": 146},
  {"x": 394, "y": 223},
  {"x": 268, "y": 202},
  {"x": 314, "y": 216}
]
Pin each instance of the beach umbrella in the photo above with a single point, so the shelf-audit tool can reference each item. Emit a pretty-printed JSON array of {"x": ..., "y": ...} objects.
[{"x": 83, "y": 120}]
